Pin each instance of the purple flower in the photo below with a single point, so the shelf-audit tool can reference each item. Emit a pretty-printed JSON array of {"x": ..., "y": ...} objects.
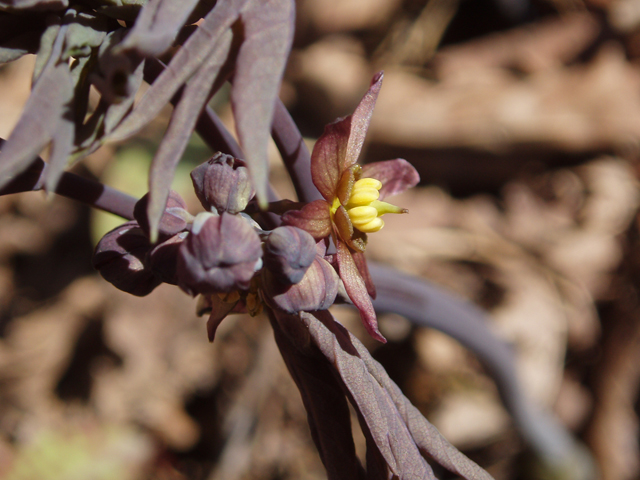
[{"x": 352, "y": 204}]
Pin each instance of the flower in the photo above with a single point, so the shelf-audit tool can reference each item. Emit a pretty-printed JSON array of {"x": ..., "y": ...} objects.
[{"x": 352, "y": 201}]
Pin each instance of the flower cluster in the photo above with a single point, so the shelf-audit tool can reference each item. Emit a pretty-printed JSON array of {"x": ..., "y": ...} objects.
[{"x": 225, "y": 256}]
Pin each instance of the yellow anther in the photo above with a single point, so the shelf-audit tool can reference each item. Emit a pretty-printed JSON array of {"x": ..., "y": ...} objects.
[
  {"x": 373, "y": 226},
  {"x": 368, "y": 183},
  {"x": 364, "y": 208},
  {"x": 362, "y": 215},
  {"x": 362, "y": 196}
]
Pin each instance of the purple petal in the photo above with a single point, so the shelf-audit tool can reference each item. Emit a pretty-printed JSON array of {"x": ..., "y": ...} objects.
[
  {"x": 396, "y": 176},
  {"x": 314, "y": 218},
  {"x": 357, "y": 291}
]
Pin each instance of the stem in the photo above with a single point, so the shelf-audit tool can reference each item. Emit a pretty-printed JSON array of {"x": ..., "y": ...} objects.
[
  {"x": 294, "y": 152},
  {"x": 75, "y": 187}
]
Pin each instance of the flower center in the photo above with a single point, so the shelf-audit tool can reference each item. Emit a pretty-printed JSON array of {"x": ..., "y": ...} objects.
[{"x": 365, "y": 209}]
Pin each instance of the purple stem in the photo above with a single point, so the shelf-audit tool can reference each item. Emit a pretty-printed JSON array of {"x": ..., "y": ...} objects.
[
  {"x": 294, "y": 152},
  {"x": 75, "y": 187}
]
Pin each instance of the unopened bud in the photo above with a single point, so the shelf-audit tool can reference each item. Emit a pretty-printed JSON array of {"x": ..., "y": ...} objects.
[
  {"x": 222, "y": 184},
  {"x": 174, "y": 219},
  {"x": 220, "y": 255},
  {"x": 121, "y": 259},
  {"x": 288, "y": 252},
  {"x": 316, "y": 291}
]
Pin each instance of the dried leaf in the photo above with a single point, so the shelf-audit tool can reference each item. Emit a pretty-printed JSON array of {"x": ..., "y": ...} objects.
[{"x": 268, "y": 33}]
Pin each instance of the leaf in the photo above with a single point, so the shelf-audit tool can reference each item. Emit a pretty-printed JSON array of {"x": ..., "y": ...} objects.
[
  {"x": 39, "y": 122},
  {"x": 202, "y": 44},
  {"x": 61, "y": 149},
  {"x": 85, "y": 31},
  {"x": 157, "y": 26},
  {"x": 396, "y": 176},
  {"x": 430, "y": 306},
  {"x": 182, "y": 123},
  {"x": 314, "y": 218},
  {"x": 357, "y": 291},
  {"x": 268, "y": 33},
  {"x": 51, "y": 40},
  {"x": 323, "y": 398},
  {"x": 377, "y": 409},
  {"x": 427, "y": 437}
]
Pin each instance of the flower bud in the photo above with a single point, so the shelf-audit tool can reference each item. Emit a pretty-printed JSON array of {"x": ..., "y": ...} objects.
[
  {"x": 120, "y": 257},
  {"x": 223, "y": 184},
  {"x": 174, "y": 219},
  {"x": 288, "y": 252},
  {"x": 163, "y": 258},
  {"x": 222, "y": 253},
  {"x": 316, "y": 291}
]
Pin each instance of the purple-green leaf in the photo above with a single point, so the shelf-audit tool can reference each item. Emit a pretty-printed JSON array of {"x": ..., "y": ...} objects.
[
  {"x": 376, "y": 407},
  {"x": 177, "y": 136},
  {"x": 323, "y": 398},
  {"x": 39, "y": 122},
  {"x": 205, "y": 43},
  {"x": 268, "y": 33},
  {"x": 157, "y": 26},
  {"x": 314, "y": 218},
  {"x": 427, "y": 437}
]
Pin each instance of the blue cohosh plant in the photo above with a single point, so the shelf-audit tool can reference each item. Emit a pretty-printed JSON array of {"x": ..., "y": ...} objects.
[
  {"x": 248, "y": 251},
  {"x": 226, "y": 257}
]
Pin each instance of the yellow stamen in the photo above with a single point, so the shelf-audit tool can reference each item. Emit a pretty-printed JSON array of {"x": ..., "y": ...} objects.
[{"x": 364, "y": 208}]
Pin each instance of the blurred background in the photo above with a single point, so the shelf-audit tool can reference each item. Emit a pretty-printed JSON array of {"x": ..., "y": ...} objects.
[{"x": 523, "y": 119}]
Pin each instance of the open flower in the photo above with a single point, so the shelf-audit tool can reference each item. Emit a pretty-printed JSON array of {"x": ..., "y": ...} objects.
[{"x": 353, "y": 199}]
